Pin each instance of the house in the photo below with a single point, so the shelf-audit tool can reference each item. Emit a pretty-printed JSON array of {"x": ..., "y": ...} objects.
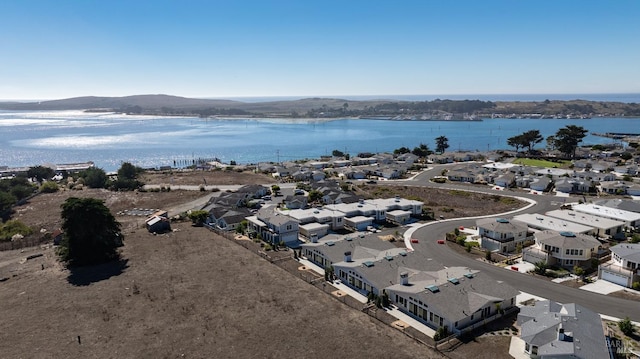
[
  {"x": 226, "y": 218},
  {"x": 506, "y": 180},
  {"x": 500, "y": 234},
  {"x": 540, "y": 184},
  {"x": 554, "y": 330},
  {"x": 624, "y": 266},
  {"x": 565, "y": 249},
  {"x": 614, "y": 187},
  {"x": 334, "y": 219},
  {"x": 332, "y": 249},
  {"x": 253, "y": 191},
  {"x": 622, "y": 204},
  {"x": 542, "y": 222},
  {"x": 574, "y": 185},
  {"x": 274, "y": 227},
  {"x": 631, "y": 219},
  {"x": 295, "y": 201},
  {"x": 602, "y": 227},
  {"x": 455, "y": 298}
]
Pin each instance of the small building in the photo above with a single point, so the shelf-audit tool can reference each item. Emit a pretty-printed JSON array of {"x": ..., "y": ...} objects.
[
  {"x": 158, "y": 224},
  {"x": 624, "y": 266}
]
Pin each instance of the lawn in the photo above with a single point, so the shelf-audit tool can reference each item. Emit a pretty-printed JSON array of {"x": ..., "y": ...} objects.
[{"x": 542, "y": 163}]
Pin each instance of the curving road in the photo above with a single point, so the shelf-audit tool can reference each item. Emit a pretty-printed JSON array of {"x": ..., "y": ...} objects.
[{"x": 429, "y": 234}]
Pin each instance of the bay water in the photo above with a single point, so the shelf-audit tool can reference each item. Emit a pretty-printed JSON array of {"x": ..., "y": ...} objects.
[{"x": 108, "y": 139}]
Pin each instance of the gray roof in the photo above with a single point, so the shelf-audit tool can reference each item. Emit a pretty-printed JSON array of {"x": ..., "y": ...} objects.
[
  {"x": 584, "y": 336},
  {"x": 457, "y": 301},
  {"x": 385, "y": 273},
  {"x": 628, "y": 251},
  {"x": 623, "y": 204},
  {"x": 501, "y": 225},
  {"x": 567, "y": 240},
  {"x": 367, "y": 245}
]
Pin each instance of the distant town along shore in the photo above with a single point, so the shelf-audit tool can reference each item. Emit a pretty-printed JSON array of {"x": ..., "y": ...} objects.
[{"x": 164, "y": 105}]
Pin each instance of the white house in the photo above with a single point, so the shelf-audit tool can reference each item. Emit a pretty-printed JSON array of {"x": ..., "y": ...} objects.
[
  {"x": 565, "y": 249},
  {"x": 500, "y": 234},
  {"x": 274, "y": 227},
  {"x": 624, "y": 266}
]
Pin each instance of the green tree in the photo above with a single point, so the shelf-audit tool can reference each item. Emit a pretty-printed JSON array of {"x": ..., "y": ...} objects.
[
  {"x": 7, "y": 200},
  {"x": 577, "y": 270},
  {"x": 401, "y": 150},
  {"x": 198, "y": 217},
  {"x": 385, "y": 299},
  {"x": 540, "y": 268},
  {"x": 91, "y": 233},
  {"x": 626, "y": 327},
  {"x": 532, "y": 138},
  {"x": 568, "y": 138},
  {"x": 314, "y": 195},
  {"x": 94, "y": 177},
  {"x": 275, "y": 189},
  {"x": 127, "y": 177},
  {"x": 487, "y": 255},
  {"x": 422, "y": 150},
  {"x": 242, "y": 227},
  {"x": 40, "y": 173},
  {"x": 442, "y": 143},
  {"x": 337, "y": 153},
  {"x": 516, "y": 141}
]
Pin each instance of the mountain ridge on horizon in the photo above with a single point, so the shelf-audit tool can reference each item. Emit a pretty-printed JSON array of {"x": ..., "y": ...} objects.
[{"x": 162, "y": 104}]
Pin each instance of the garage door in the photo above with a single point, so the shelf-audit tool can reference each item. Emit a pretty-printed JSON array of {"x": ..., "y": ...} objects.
[{"x": 614, "y": 278}]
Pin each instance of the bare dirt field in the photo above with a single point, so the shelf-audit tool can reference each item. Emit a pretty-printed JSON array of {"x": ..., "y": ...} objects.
[{"x": 186, "y": 294}]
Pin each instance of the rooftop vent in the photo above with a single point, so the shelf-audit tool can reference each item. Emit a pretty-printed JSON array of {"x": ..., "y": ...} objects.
[
  {"x": 433, "y": 288},
  {"x": 454, "y": 281},
  {"x": 368, "y": 264},
  {"x": 567, "y": 234},
  {"x": 403, "y": 253},
  {"x": 388, "y": 257},
  {"x": 468, "y": 275},
  {"x": 330, "y": 243},
  {"x": 502, "y": 220}
]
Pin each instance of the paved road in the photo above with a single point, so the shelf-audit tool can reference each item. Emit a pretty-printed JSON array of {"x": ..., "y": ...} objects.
[{"x": 428, "y": 236}]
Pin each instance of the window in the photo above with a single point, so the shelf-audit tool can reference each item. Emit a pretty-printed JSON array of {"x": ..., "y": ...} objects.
[
  {"x": 581, "y": 251},
  {"x": 567, "y": 251}
]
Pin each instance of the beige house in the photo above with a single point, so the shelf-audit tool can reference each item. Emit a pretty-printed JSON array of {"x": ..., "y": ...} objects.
[{"x": 565, "y": 249}]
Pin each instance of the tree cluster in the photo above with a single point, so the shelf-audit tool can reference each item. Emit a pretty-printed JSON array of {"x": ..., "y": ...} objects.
[{"x": 527, "y": 139}]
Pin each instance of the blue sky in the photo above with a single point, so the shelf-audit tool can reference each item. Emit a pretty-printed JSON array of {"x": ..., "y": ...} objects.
[{"x": 58, "y": 49}]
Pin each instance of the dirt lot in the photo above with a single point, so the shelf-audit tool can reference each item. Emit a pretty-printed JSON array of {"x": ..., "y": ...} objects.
[{"x": 187, "y": 294}]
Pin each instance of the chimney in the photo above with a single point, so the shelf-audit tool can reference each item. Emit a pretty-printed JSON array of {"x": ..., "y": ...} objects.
[
  {"x": 314, "y": 238},
  {"x": 347, "y": 256},
  {"x": 404, "y": 278},
  {"x": 560, "y": 332}
]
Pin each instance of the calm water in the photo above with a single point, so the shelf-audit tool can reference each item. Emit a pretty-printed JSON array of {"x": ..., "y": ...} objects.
[{"x": 32, "y": 138}]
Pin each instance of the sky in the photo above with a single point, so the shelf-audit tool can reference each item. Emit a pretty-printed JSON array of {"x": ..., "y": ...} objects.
[{"x": 229, "y": 49}]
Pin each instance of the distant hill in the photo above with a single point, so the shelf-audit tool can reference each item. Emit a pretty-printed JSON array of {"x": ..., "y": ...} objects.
[
  {"x": 331, "y": 107},
  {"x": 151, "y": 102}
]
